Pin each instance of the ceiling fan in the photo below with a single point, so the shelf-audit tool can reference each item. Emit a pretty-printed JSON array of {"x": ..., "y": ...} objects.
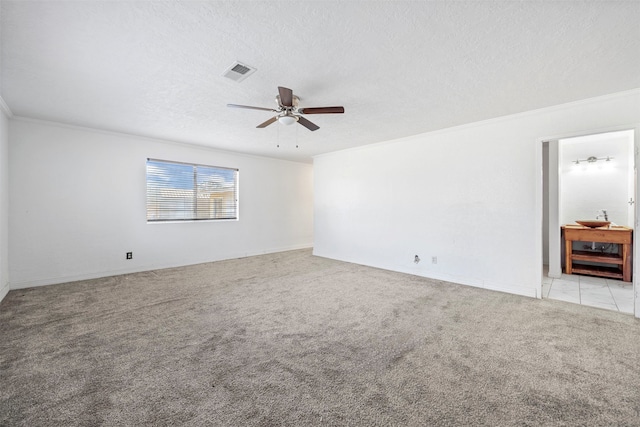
[{"x": 288, "y": 111}]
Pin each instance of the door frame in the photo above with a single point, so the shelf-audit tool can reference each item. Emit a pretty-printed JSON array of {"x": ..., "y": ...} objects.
[{"x": 554, "y": 203}]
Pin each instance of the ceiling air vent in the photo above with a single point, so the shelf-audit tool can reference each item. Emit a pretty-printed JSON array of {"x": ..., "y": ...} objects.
[{"x": 239, "y": 71}]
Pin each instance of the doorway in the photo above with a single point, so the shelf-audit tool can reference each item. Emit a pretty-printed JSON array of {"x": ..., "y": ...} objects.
[{"x": 584, "y": 177}]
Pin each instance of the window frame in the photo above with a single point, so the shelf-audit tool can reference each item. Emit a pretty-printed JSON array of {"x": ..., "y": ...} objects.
[{"x": 195, "y": 204}]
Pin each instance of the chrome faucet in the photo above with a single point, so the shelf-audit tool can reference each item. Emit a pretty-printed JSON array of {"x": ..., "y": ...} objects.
[{"x": 604, "y": 214}]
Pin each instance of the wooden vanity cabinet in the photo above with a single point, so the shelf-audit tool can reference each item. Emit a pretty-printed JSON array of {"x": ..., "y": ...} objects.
[{"x": 618, "y": 265}]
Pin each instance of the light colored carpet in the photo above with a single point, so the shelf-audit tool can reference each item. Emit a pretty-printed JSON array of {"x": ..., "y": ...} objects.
[{"x": 295, "y": 340}]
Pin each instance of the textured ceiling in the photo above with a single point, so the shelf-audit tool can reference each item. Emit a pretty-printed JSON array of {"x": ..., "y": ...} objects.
[{"x": 399, "y": 68}]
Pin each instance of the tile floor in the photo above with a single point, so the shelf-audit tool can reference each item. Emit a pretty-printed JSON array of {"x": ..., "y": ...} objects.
[{"x": 609, "y": 294}]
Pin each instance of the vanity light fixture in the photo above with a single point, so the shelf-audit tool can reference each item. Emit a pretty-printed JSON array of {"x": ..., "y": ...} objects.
[{"x": 593, "y": 159}]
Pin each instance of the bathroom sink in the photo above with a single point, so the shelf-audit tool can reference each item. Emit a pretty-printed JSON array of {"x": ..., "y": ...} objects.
[{"x": 593, "y": 223}]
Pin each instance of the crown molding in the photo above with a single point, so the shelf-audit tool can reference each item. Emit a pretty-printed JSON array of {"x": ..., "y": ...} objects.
[
  {"x": 192, "y": 145},
  {"x": 5, "y": 108},
  {"x": 529, "y": 113}
]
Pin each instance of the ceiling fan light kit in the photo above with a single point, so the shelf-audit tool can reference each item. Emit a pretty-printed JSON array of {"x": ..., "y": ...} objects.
[
  {"x": 287, "y": 120},
  {"x": 289, "y": 112}
]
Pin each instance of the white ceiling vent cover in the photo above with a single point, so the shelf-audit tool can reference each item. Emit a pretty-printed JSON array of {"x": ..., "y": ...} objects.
[{"x": 239, "y": 71}]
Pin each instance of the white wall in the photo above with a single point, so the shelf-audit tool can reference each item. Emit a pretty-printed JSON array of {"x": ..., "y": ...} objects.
[
  {"x": 587, "y": 188},
  {"x": 4, "y": 205},
  {"x": 466, "y": 195},
  {"x": 78, "y": 205}
]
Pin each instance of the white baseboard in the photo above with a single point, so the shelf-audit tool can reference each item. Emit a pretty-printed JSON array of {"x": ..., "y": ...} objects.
[
  {"x": 459, "y": 280},
  {"x": 4, "y": 291},
  {"x": 96, "y": 275}
]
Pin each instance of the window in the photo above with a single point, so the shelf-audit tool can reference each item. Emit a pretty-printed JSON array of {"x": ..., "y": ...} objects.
[{"x": 189, "y": 192}]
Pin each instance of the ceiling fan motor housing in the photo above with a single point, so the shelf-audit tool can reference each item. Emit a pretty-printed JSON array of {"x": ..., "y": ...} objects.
[{"x": 295, "y": 101}]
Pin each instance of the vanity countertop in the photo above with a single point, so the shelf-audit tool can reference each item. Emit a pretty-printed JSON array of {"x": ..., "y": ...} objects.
[
  {"x": 608, "y": 234},
  {"x": 608, "y": 227}
]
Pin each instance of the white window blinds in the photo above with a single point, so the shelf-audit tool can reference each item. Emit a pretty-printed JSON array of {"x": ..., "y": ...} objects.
[{"x": 188, "y": 192}]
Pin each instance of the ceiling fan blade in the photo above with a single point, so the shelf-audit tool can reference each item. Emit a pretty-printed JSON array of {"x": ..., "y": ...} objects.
[
  {"x": 322, "y": 110},
  {"x": 248, "y": 107},
  {"x": 286, "y": 96},
  {"x": 268, "y": 122},
  {"x": 306, "y": 123}
]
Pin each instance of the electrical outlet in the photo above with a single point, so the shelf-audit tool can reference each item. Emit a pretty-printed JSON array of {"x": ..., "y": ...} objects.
[
  {"x": 129, "y": 255},
  {"x": 434, "y": 260}
]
